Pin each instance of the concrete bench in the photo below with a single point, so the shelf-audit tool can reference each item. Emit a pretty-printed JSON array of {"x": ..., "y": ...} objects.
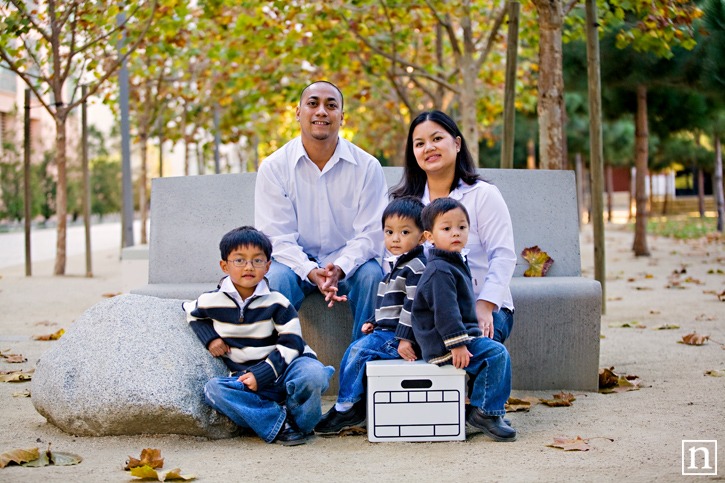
[{"x": 555, "y": 341}]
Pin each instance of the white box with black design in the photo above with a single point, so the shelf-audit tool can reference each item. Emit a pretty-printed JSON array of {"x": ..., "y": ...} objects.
[{"x": 415, "y": 401}]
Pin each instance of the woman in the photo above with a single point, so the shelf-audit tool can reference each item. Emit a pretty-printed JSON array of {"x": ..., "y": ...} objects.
[{"x": 437, "y": 165}]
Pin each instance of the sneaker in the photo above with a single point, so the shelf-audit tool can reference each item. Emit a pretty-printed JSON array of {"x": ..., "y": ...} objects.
[
  {"x": 289, "y": 436},
  {"x": 334, "y": 422},
  {"x": 492, "y": 426}
]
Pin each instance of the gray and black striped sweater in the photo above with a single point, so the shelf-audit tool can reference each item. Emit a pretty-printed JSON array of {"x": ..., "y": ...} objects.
[{"x": 264, "y": 337}]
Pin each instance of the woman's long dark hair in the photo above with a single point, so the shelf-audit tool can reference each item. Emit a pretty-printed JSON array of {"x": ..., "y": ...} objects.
[{"x": 414, "y": 178}]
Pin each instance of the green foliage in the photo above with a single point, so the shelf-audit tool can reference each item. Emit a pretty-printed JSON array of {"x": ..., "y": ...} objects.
[
  {"x": 105, "y": 185},
  {"x": 682, "y": 227},
  {"x": 47, "y": 185},
  {"x": 11, "y": 184}
]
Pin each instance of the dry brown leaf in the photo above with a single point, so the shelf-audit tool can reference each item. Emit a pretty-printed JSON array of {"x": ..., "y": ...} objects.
[
  {"x": 15, "y": 358},
  {"x": 149, "y": 457},
  {"x": 539, "y": 261},
  {"x": 109, "y": 295},
  {"x": 45, "y": 323},
  {"x": 17, "y": 376},
  {"x": 613, "y": 299},
  {"x": 643, "y": 288},
  {"x": 25, "y": 393},
  {"x": 607, "y": 378},
  {"x": 627, "y": 325},
  {"x": 694, "y": 339},
  {"x": 716, "y": 373},
  {"x": 563, "y": 399},
  {"x": 513, "y": 404},
  {"x": 146, "y": 472},
  {"x": 573, "y": 444},
  {"x": 624, "y": 384},
  {"x": 705, "y": 317},
  {"x": 54, "y": 336},
  {"x": 18, "y": 456}
]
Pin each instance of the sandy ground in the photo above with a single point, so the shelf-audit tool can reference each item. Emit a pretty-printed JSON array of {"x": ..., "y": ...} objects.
[{"x": 676, "y": 403}]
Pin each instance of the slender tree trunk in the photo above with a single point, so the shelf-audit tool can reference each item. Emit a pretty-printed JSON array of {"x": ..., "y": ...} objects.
[
  {"x": 632, "y": 189},
  {"x": 718, "y": 185},
  {"x": 667, "y": 193},
  {"x": 550, "y": 107},
  {"x": 62, "y": 194},
  {"x": 651, "y": 191},
  {"x": 701, "y": 192},
  {"x": 142, "y": 188},
  {"x": 610, "y": 192},
  {"x": 200, "y": 161},
  {"x": 531, "y": 154},
  {"x": 186, "y": 156},
  {"x": 579, "y": 167},
  {"x": 641, "y": 156}
]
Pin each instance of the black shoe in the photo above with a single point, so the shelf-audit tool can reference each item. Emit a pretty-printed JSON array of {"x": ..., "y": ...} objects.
[
  {"x": 333, "y": 422},
  {"x": 492, "y": 426},
  {"x": 289, "y": 436},
  {"x": 469, "y": 408}
]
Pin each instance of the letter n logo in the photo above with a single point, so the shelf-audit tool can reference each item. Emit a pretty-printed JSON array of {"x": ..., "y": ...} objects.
[{"x": 699, "y": 457}]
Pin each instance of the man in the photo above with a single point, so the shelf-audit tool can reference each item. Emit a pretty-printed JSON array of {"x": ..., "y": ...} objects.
[{"x": 320, "y": 199}]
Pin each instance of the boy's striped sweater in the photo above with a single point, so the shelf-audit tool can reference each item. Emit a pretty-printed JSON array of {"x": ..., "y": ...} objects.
[
  {"x": 264, "y": 337},
  {"x": 396, "y": 292}
]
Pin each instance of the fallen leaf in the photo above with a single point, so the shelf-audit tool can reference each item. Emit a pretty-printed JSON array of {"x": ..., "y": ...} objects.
[
  {"x": 146, "y": 472},
  {"x": 631, "y": 279},
  {"x": 705, "y": 317},
  {"x": 563, "y": 399},
  {"x": 18, "y": 456},
  {"x": 623, "y": 385},
  {"x": 694, "y": 339},
  {"x": 693, "y": 280},
  {"x": 64, "y": 459},
  {"x": 648, "y": 275},
  {"x": 15, "y": 358},
  {"x": 665, "y": 327},
  {"x": 149, "y": 457},
  {"x": 716, "y": 373},
  {"x": 53, "y": 336},
  {"x": 17, "y": 376},
  {"x": 45, "y": 323},
  {"x": 539, "y": 261},
  {"x": 513, "y": 404},
  {"x": 607, "y": 378},
  {"x": 25, "y": 393},
  {"x": 627, "y": 325},
  {"x": 602, "y": 336},
  {"x": 40, "y": 461},
  {"x": 109, "y": 295},
  {"x": 572, "y": 444},
  {"x": 613, "y": 299},
  {"x": 718, "y": 271},
  {"x": 643, "y": 288}
]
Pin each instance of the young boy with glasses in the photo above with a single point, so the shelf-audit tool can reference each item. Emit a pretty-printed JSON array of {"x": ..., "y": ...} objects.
[{"x": 276, "y": 380}]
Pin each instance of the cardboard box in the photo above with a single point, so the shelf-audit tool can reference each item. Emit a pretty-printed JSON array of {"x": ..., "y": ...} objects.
[{"x": 415, "y": 401}]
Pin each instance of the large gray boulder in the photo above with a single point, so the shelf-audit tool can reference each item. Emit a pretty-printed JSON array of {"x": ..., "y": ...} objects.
[{"x": 129, "y": 365}]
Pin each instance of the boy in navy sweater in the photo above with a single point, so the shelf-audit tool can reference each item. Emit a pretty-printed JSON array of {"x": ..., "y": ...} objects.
[
  {"x": 277, "y": 381},
  {"x": 445, "y": 323},
  {"x": 388, "y": 333}
]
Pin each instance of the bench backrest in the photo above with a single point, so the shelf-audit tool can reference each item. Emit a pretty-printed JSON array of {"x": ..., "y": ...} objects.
[{"x": 190, "y": 214}]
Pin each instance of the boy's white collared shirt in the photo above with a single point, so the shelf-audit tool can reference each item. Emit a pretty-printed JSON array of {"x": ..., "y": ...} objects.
[{"x": 227, "y": 286}]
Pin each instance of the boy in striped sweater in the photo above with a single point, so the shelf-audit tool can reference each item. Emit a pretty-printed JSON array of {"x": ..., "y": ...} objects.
[
  {"x": 276, "y": 380},
  {"x": 388, "y": 333}
]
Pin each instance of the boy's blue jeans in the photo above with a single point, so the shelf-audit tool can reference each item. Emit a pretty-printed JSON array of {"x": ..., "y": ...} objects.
[
  {"x": 299, "y": 389},
  {"x": 490, "y": 367},
  {"x": 380, "y": 345},
  {"x": 361, "y": 289}
]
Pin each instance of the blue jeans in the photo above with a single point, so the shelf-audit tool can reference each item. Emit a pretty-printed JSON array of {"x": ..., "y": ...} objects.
[
  {"x": 299, "y": 389},
  {"x": 361, "y": 289},
  {"x": 380, "y": 345},
  {"x": 491, "y": 368},
  {"x": 503, "y": 322}
]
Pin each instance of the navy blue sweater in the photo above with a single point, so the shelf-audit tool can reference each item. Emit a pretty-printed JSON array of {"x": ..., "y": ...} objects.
[{"x": 444, "y": 308}]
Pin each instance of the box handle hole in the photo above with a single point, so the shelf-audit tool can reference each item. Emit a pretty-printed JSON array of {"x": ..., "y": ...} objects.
[{"x": 417, "y": 384}]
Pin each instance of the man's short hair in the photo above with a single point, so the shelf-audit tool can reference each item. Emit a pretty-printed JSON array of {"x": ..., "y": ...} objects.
[
  {"x": 245, "y": 236},
  {"x": 342, "y": 100},
  {"x": 439, "y": 207},
  {"x": 405, "y": 207}
]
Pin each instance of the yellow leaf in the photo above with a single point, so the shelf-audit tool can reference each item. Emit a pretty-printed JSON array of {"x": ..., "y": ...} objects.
[
  {"x": 53, "y": 336},
  {"x": 17, "y": 376},
  {"x": 716, "y": 373},
  {"x": 18, "y": 456},
  {"x": 539, "y": 261}
]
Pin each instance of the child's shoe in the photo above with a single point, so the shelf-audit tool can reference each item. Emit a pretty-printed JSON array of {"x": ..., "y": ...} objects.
[
  {"x": 333, "y": 422},
  {"x": 289, "y": 436},
  {"x": 492, "y": 426}
]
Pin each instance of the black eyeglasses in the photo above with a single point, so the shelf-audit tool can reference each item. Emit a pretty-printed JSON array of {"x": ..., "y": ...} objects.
[{"x": 256, "y": 263}]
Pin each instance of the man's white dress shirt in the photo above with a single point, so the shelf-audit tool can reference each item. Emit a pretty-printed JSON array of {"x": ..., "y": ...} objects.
[{"x": 332, "y": 216}]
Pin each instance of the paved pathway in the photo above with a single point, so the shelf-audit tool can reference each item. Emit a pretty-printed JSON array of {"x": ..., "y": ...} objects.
[{"x": 104, "y": 236}]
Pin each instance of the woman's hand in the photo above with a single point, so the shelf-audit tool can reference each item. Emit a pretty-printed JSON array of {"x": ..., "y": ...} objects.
[{"x": 484, "y": 314}]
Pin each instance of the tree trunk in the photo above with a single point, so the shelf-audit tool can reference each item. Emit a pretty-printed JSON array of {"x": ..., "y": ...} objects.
[
  {"x": 531, "y": 154},
  {"x": 579, "y": 167},
  {"x": 550, "y": 106},
  {"x": 61, "y": 195},
  {"x": 641, "y": 133},
  {"x": 610, "y": 192},
  {"x": 142, "y": 188},
  {"x": 632, "y": 189},
  {"x": 718, "y": 185},
  {"x": 186, "y": 156},
  {"x": 667, "y": 193},
  {"x": 701, "y": 192}
]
